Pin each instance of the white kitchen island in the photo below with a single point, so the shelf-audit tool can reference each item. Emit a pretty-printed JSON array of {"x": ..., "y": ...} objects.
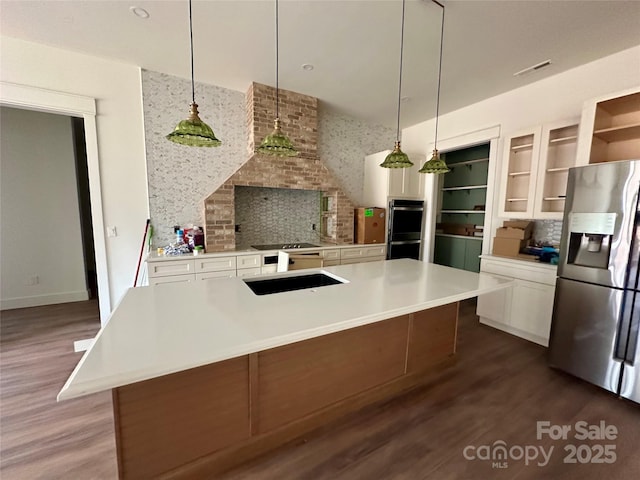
[{"x": 207, "y": 374}]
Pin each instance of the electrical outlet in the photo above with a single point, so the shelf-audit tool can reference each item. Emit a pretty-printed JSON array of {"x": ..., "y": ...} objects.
[
  {"x": 313, "y": 226},
  {"x": 112, "y": 232},
  {"x": 31, "y": 280}
]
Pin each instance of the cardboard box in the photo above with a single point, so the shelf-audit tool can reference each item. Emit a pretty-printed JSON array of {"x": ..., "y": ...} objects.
[
  {"x": 516, "y": 229},
  {"x": 508, "y": 247},
  {"x": 370, "y": 225}
]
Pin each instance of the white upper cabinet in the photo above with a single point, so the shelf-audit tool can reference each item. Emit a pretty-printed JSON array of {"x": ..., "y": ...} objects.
[
  {"x": 535, "y": 168},
  {"x": 558, "y": 145},
  {"x": 519, "y": 170},
  {"x": 380, "y": 184},
  {"x": 610, "y": 128}
]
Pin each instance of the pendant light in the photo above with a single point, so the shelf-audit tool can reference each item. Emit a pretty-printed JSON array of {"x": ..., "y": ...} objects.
[
  {"x": 193, "y": 132},
  {"x": 277, "y": 143},
  {"x": 397, "y": 158},
  {"x": 436, "y": 164}
]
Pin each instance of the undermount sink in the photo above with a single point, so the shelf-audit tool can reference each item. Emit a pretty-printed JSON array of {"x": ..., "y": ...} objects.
[{"x": 292, "y": 282}]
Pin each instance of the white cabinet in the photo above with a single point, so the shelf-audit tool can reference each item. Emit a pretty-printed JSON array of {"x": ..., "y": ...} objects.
[
  {"x": 249, "y": 272},
  {"x": 221, "y": 274},
  {"x": 558, "y": 146},
  {"x": 171, "y": 279},
  {"x": 519, "y": 169},
  {"x": 526, "y": 308},
  {"x": 535, "y": 168},
  {"x": 171, "y": 267},
  {"x": 355, "y": 253},
  {"x": 382, "y": 183},
  {"x": 215, "y": 264},
  {"x": 610, "y": 128}
]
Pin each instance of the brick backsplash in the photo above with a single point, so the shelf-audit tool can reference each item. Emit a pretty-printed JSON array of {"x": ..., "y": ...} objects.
[
  {"x": 274, "y": 215},
  {"x": 299, "y": 121}
]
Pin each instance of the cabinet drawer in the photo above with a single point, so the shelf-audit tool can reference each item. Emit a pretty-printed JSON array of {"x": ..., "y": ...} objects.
[
  {"x": 249, "y": 261},
  {"x": 169, "y": 267},
  {"x": 373, "y": 251},
  {"x": 348, "y": 261},
  {"x": 521, "y": 271},
  {"x": 331, "y": 254},
  {"x": 215, "y": 264},
  {"x": 220, "y": 274},
  {"x": 330, "y": 263},
  {"x": 171, "y": 279},
  {"x": 269, "y": 269},
  {"x": 249, "y": 272}
]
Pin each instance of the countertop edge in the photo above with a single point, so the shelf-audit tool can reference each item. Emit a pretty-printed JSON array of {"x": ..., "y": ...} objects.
[{"x": 107, "y": 383}]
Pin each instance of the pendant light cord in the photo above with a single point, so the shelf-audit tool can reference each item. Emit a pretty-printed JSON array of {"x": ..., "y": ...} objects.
[
  {"x": 400, "y": 80},
  {"x": 193, "y": 85},
  {"x": 277, "y": 67},
  {"x": 435, "y": 142}
]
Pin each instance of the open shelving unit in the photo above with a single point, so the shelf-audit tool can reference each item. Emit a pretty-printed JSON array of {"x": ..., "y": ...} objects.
[
  {"x": 461, "y": 209},
  {"x": 616, "y": 129},
  {"x": 558, "y": 154},
  {"x": 521, "y": 157}
]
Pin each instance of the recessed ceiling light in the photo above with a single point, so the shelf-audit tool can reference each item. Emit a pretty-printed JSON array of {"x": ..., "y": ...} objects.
[
  {"x": 139, "y": 12},
  {"x": 533, "y": 68},
  {"x": 307, "y": 66}
]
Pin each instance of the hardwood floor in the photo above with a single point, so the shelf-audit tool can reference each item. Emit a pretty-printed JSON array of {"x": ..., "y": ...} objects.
[
  {"x": 40, "y": 438},
  {"x": 497, "y": 391}
]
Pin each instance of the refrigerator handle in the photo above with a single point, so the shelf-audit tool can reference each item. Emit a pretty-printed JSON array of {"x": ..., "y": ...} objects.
[{"x": 632, "y": 342}]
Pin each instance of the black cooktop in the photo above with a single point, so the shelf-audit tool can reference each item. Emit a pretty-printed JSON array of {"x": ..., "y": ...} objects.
[{"x": 283, "y": 246}]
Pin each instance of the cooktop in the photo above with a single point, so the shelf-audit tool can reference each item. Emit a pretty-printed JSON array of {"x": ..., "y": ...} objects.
[{"x": 283, "y": 246}]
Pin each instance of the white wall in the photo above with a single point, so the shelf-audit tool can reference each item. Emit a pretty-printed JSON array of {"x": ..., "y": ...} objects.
[
  {"x": 116, "y": 88},
  {"x": 180, "y": 178},
  {"x": 555, "y": 98},
  {"x": 39, "y": 219}
]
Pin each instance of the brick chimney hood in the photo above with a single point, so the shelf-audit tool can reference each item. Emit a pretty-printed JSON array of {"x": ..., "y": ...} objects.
[{"x": 299, "y": 121}]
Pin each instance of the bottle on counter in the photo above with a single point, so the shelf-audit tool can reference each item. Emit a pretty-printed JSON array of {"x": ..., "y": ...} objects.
[{"x": 179, "y": 237}]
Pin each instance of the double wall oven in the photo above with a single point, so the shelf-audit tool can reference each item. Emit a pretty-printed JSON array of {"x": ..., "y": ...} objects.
[{"x": 404, "y": 238}]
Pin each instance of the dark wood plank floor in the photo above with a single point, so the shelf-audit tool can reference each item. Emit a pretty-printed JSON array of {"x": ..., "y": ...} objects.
[{"x": 497, "y": 391}]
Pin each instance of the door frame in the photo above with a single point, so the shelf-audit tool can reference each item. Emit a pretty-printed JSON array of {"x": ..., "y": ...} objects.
[
  {"x": 490, "y": 135},
  {"x": 51, "y": 101}
]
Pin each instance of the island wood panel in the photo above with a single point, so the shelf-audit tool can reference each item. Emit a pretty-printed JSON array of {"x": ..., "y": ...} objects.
[
  {"x": 298, "y": 379},
  {"x": 175, "y": 419},
  {"x": 432, "y": 338}
]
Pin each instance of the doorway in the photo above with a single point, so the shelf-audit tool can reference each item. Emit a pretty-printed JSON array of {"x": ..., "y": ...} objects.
[
  {"x": 46, "y": 211},
  {"x": 38, "y": 99}
]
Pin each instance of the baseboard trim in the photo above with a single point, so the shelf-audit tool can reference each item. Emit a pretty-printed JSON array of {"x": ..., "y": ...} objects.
[
  {"x": 38, "y": 300},
  {"x": 515, "y": 331}
]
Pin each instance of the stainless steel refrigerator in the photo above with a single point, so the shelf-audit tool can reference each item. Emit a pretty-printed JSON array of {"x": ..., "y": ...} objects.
[{"x": 594, "y": 332}]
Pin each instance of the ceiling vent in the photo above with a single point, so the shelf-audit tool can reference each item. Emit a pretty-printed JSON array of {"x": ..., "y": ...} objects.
[{"x": 533, "y": 68}]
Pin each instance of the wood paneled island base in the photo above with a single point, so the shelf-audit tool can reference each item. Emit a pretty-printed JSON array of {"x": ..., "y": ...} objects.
[{"x": 205, "y": 420}]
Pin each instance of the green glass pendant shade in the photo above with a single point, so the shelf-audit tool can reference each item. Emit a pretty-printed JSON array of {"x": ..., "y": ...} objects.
[
  {"x": 397, "y": 159},
  {"x": 277, "y": 143},
  {"x": 193, "y": 132},
  {"x": 435, "y": 165}
]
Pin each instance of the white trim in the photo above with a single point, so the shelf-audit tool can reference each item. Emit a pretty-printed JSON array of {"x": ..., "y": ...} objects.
[
  {"x": 82, "y": 345},
  {"x": 468, "y": 139},
  {"x": 514, "y": 331},
  {"x": 432, "y": 188},
  {"x": 34, "y": 98},
  {"x": 38, "y": 300}
]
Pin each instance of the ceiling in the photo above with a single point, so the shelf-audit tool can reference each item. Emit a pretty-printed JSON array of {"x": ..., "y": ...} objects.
[{"x": 354, "y": 45}]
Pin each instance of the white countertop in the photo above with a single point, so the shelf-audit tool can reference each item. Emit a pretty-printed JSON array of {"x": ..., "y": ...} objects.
[
  {"x": 154, "y": 257},
  {"x": 164, "y": 329},
  {"x": 527, "y": 260}
]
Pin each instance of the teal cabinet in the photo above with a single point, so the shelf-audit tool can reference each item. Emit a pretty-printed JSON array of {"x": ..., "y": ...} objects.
[{"x": 461, "y": 209}]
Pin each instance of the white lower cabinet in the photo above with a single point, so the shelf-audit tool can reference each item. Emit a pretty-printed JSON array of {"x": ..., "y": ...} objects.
[
  {"x": 221, "y": 274},
  {"x": 171, "y": 279},
  {"x": 526, "y": 308},
  {"x": 175, "y": 270},
  {"x": 249, "y": 272}
]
